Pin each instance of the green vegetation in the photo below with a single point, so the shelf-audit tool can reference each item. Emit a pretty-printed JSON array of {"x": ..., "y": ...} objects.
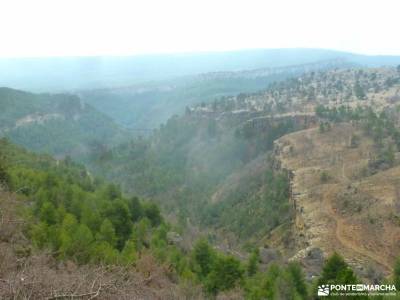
[
  {"x": 324, "y": 177},
  {"x": 78, "y": 217},
  {"x": 359, "y": 91},
  {"x": 212, "y": 167},
  {"x": 58, "y": 124},
  {"x": 255, "y": 215},
  {"x": 252, "y": 266},
  {"x": 82, "y": 219},
  {"x": 188, "y": 159},
  {"x": 336, "y": 270},
  {"x": 149, "y": 105},
  {"x": 381, "y": 127}
]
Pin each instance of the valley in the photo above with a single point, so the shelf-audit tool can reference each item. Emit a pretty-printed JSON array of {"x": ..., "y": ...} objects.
[
  {"x": 242, "y": 177},
  {"x": 199, "y": 150},
  {"x": 147, "y": 105}
]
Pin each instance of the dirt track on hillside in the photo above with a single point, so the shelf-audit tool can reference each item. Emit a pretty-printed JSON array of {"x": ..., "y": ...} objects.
[
  {"x": 342, "y": 229},
  {"x": 367, "y": 237}
]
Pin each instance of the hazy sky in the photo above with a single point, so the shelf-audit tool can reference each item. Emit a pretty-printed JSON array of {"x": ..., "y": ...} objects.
[{"x": 86, "y": 27}]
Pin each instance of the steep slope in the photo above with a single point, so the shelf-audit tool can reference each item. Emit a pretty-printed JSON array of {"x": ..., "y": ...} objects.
[
  {"x": 64, "y": 234},
  {"x": 339, "y": 206},
  {"x": 216, "y": 166},
  {"x": 28, "y": 273},
  {"x": 206, "y": 166},
  {"x": 58, "y": 124},
  {"x": 148, "y": 105}
]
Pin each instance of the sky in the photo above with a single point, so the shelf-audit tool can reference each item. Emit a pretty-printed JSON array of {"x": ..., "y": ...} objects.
[{"x": 101, "y": 27}]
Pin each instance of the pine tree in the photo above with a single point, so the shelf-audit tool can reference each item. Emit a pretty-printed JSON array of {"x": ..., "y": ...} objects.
[
  {"x": 298, "y": 279},
  {"x": 204, "y": 257},
  {"x": 81, "y": 244},
  {"x": 119, "y": 215},
  {"x": 152, "y": 212},
  {"x": 135, "y": 209},
  {"x": 359, "y": 91},
  {"x": 103, "y": 252},
  {"x": 48, "y": 213},
  {"x": 107, "y": 233},
  {"x": 225, "y": 274},
  {"x": 68, "y": 228},
  {"x": 128, "y": 254},
  {"x": 252, "y": 266},
  {"x": 336, "y": 270}
]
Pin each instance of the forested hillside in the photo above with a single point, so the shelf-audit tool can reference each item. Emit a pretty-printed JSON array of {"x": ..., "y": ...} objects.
[
  {"x": 206, "y": 170},
  {"x": 58, "y": 124},
  {"x": 218, "y": 156},
  {"x": 224, "y": 200},
  {"x": 220, "y": 159},
  {"x": 65, "y": 234},
  {"x": 148, "y": 105}
]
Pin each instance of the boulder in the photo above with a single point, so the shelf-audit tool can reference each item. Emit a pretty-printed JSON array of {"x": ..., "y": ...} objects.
[{"x": 174, "y": 237}]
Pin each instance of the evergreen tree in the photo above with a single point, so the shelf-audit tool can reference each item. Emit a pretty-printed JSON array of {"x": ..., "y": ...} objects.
[
  {"x": 48, "y": 213},
  {"x": 39, "y": 234},
  {"x": 298, "y": 279},
  {"x": 128, "y": 254},
  {"x": 107, "y": 233},
  {"x": 141, "y": 232},
  {"x": 152, "y": 212},
  {"x": 336, "y": 271},
  {"x": 135, "y": 209},
  {"x": 90, "y": 217},
  {"x": 103, "y": 252},
  {"x": 388, "y": 155},
  {"x": 118, "y": 213},
  {"x": 225, "y": 274},
  {"x": 81, "y": 243},
  {"x": 252, "y": 266},
  {"x": 203, "y": 257},
  {"x": 359, "y": 91},
  {"x": 67, "y": 231},
  {"x": 269, "y": 284}
]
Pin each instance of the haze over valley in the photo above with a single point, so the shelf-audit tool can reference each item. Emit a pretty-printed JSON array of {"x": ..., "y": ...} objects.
[{"x": 251, "y": 172}]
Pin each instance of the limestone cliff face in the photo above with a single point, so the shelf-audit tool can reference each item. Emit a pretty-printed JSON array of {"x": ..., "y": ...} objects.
[{"x": 337, "y": 207}]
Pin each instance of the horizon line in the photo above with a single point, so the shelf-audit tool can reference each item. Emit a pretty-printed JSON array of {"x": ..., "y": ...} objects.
[{"x": 187, "y": 53}]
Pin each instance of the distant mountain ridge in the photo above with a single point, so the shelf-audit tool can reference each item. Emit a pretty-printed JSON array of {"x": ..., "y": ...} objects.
[
  {"x": 59, "y": 124},
  {"x": 151, "y": 104},
  {"x": 68, "y": 73}
]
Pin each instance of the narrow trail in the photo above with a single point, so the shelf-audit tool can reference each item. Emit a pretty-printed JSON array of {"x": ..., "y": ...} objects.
[
  {"x": 340, "y": 234},
  {"x": 341, "y": 228}
]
